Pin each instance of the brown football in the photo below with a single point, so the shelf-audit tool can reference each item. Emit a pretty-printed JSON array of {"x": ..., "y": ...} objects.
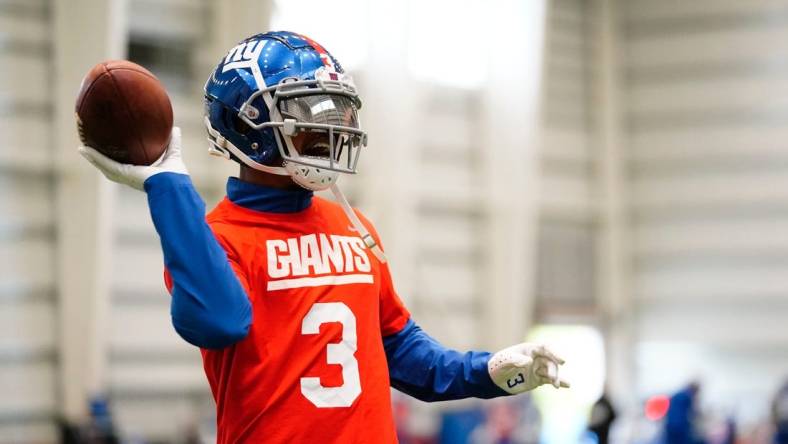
[{"x": 124, "y": 112}]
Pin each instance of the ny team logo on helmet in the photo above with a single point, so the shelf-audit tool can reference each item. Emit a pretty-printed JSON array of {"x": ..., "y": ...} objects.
[{"x": 269, "y": 89}]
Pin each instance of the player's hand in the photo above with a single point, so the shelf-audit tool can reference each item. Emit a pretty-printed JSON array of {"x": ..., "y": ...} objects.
[
  {"x": 524, "y": 367},
  {"x": 134, "y": 175}
]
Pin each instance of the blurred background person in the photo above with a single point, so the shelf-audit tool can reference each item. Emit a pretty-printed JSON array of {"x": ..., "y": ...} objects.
[
  {"x": 780, "y": 415},
  {"x": 683, "y": 420},
  {"x": 508, "y": 421},
  {"x": 601, "y": 419}
]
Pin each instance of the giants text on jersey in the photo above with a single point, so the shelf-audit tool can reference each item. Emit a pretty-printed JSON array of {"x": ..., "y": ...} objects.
[{"x": 325, "y": 255}]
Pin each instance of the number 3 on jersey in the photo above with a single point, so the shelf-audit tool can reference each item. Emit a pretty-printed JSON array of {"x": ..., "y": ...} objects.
[{"x": 340, "y": 353}]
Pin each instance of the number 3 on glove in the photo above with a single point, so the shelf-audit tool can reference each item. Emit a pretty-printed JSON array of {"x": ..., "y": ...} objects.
[
  {"x": 513, "y": 382},
  {"x": 524, "y": 367}
]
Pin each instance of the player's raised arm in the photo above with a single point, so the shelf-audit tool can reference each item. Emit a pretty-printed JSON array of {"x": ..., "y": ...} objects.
[{"x": 210, "y": 308}]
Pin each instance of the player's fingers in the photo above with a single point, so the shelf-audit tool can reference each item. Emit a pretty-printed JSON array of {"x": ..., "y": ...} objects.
[
  {"x": 547, "y": 353},
  {"x": 542, "y": 365},
  {"x": 175, "y": 139},
  {"x": 549, "y": 371},
  {"x": 556, "y": 379},
  {"x": 544, "y": 352},
  {"x": 87, "y": 153},
  {"x": 563, "y": 384},
  {"x": 83, "y": 151},
  {"x": 173, "y": 150},
  {"x": 521, "y": 361},
  {"x": 108, "y": 167},
  {"x": 99, "y": 160},
  {"x": 544, "y": 379}
]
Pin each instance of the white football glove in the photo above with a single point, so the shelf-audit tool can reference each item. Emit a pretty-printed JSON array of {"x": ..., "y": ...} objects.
[
  {"x": 524, "y": 367},
  {"x": 136, "y": 175}
]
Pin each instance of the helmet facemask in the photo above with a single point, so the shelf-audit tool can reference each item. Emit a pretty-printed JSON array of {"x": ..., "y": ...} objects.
[{"x": 317, "y": 128}]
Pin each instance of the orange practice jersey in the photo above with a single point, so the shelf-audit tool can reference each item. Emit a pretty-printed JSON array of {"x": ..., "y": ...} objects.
[{"x": 312, "y": 368}]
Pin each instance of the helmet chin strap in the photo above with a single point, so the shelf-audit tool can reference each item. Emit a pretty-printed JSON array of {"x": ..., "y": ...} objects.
[
  {"x": 363, "y": 233},
  {"x": 223, "y": 147}
]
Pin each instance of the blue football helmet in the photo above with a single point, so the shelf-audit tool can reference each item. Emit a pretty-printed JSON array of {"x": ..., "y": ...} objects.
[{"x": 277, "y": 86}]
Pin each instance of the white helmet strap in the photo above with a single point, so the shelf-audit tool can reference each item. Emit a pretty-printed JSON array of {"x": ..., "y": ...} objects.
[{"x": 363, "y": 233}]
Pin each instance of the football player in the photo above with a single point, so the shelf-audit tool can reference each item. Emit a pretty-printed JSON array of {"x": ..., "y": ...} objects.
[{"x": 288, "y": 295}]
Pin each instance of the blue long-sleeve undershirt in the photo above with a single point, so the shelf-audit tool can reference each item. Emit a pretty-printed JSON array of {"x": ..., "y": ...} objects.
[
  {"x": 210, "y": 308},
  {"x": 423, "y": 368}
]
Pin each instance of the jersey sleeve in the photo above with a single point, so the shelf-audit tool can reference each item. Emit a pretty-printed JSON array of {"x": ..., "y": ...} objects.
[
  {"x": 393, "y": 314},
  {"x": 210, "y": 307},
  {"x": 232, "y": 257}
]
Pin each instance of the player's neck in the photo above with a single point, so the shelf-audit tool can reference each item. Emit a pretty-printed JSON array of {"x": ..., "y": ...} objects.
[{"x": 266, "y": 179}]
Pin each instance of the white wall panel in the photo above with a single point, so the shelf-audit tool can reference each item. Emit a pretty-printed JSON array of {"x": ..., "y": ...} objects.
[
  {"x": 27, "y": 387},
  {"x": 26, "y": 144},
  {"x": 26, "y": 79},
  {"x": 26, "y": 202},
  {"x": 27, "y": 327},
  {"x": 139, "y": 267},
  {"x": 565, "y": 278},
  {"x": 705, "y": 108},
  {"x": 447, "y": 274},
  {"x": 186, "y": 375},
  {"x": 463, "y": 332},
  {"x": 27, "y": 265},
  {"x": 132, "y": 214},
  {"x": 718, "y": 46},
  {"x": 27, "y": 300},
  {"x": 446, "y": 178},
  {"x": 722, "y": 237},
  {"x": 14, "y": 431},
  {"x": 704, "y": 97},
  {"x": 680, "y": 9},
  {"x": 566, "y": 146},
  {"x": 709, "y": 324},
  {"x": 184, "y": 19},
  {"x": 30, "y": 29},
  {"x": 567, "y": 184},
  {"x": 450, "y": 234},
  {"x": 447, "y": 131},
  {"x": 159, "y": 418},
  {"x": 566, "y": 192},
  {"x": 448, "y": 282},
  {"x": 145, "y": 327},
  {"x": 681, "y": 147},
  {"x": 567, "y": 201},
  {"x": 734, "y": 282},
  {"x": 704, "y": 189}
]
